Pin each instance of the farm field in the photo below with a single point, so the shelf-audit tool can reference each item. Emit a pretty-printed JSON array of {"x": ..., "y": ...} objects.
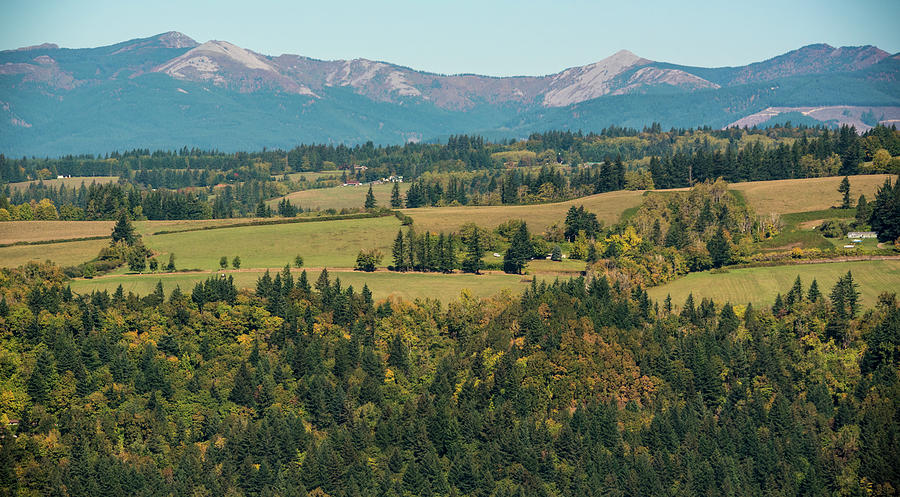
[
  {"x": 313, "y": 176},
  {"x": 801, "y": 195},
  {"x": 36, "y": 231},
  {"x": 760, "y": 285},
  {"x": 565, "y": 268},
  {"x": 322, "y": 244},
  {"x": 63, "y": 254},
  {"x": 607, "y": 206},
  {"x": 383, "y": 284},
  {"x": 340, "y": 197},
  {"x": 74, "y": 181}
]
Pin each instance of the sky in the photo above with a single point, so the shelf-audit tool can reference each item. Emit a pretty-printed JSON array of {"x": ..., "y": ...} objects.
[{"x": 498, "y": 38}]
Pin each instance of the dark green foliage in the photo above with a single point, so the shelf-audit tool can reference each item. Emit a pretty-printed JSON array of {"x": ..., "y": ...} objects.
[
  {"x": 396, "y": 201},
  {"x": 677, "y": 236},
  {"x": 844, "y": 190},
  {"x": 578, "y": 219},
  {"x": 244, "y": 386},
  {"x": 885, "y": 217},
  {"x": 572, "y": 388},
  {"x": 556, "y": 254},
  {"x": 286, "y": 208},
  {"x": 39, "y": 382},
  {"x": 370, "y": 199},
  {"x": 368, "y": 260},
  {"x": 519, "y": 252},
  {"x": 123, "y": 231},
  {"x": 398, "y": 253},
  {"x": 473, "y": 263},
  {"x": 719, "y": 249},
  {"x": 814, "y": 293},
  {"x": 863, "y": 212}
]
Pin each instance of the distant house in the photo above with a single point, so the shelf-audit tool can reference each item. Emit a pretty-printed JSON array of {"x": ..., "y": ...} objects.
[
  {"x": 862, "y": 234},
  {"x": 357, "y": 167},
  {"x": 393, "y": 179},
  {"x": 351, "y": 182}
]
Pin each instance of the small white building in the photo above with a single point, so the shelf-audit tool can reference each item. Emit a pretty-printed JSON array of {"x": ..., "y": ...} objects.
[{"x": 862, "y": 234}]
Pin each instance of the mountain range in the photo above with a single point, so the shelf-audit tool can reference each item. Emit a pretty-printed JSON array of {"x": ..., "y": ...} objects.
[{"x": 169, "y": 91}]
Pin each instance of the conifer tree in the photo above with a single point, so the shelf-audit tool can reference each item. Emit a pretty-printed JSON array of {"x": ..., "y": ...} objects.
[
  {"x": 814, "y": 294},
  {"x": 795, "y": 296},
  {"x": 473, "y": 262},
  {"x": 863, "y": 211},
  {"x": 303, "y": 283},
  {"x": 123, "y": 231},
  {"x": 398, "y": 253},
  {"x": 410, "y": 256},
  {"x": 38, "y": 384},
  {"x": 396, "y": 202},
  {"x": 370, "y": 199},
  {"x": 719, "y": 249},
  {"x": 844, "y": 189},
  {"x": 677, "y": 235},
  {"x": 556, "y": 254},
  {"x": 322, "y": 282},
  {"x": 519, "y": 251},
  {"x": 242, "y": 391}
]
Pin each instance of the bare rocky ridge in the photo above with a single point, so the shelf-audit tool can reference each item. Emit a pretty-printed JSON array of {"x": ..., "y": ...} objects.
[{"x": 578, "y": 84}]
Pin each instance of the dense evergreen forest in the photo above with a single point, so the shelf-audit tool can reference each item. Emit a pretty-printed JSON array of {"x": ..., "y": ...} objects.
[{"x": 575, "y": 388}]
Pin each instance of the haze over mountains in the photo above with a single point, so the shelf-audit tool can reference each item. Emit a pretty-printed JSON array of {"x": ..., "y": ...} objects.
[{"x": 169, "y": 91}]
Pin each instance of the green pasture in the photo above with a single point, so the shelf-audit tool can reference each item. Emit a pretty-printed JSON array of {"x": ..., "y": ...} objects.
[
  {"x": 760, "y": 285},
  {"x": 321, "y": 244},
  {"x": 383, "y": 284}
]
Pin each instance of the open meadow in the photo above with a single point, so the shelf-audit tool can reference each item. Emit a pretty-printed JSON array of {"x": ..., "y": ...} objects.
[
  {"x": 321, "y": 244},
  {"x": 383, "y": 284},
  {"x": 39, "y": 231},
  {"x": 760, "y": 285},
  {"x": 340, "y": 197},
  {"x": 73, "y": 182},
  {"x": 608, "y": 207},
  {"x": 63, "y": 254},
  {"x": 802, "y": 195}
]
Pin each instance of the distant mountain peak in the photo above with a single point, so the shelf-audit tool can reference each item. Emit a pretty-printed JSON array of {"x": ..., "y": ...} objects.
[
  {"x": 578, "y": 84},
  {"x": 226, "y": 64},
  {"x": 174, "y": 39},
  {"x": 42, "y": 46}
]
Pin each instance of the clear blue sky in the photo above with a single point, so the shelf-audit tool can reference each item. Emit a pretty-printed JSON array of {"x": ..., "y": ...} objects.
[{"x": 498, "y": 38}]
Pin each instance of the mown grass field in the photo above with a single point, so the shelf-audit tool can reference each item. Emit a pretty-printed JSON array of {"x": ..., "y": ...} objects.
[
  {"x": 760, "y": 285},
  {"x": 35, "y": 231},
  {"x": 607, "y": 206},
  {"x": 63, "y": 254},
  {"x": 74, "y": 181},
  {"x": 802, "y": 195},
  {"x": 313, "y": 176},
  {"x": 548, "y": 269},
  {"x": 340, "y": 197},
  {"x": 321, "y": 244},
  {"x": 383, "y": 284}
]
